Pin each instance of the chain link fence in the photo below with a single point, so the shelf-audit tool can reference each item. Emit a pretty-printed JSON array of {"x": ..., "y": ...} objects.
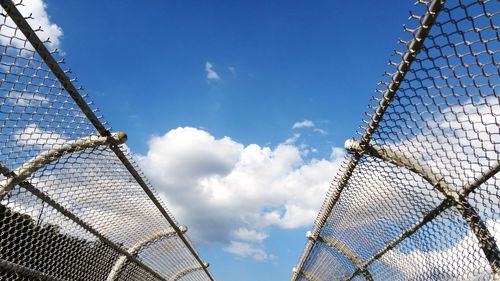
[
  {"x": 418, "y": 196},
  {"x": 73, "y": 204}
]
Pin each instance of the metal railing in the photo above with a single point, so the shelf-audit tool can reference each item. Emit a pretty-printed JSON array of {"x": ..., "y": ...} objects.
[
  {"x": 73, "y": 204},
  {"x": 418, "y": 197}
]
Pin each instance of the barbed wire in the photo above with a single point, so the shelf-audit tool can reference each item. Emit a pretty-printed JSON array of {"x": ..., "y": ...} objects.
[
  {"x": 73, "y": 203},
  {"x": 417, "y": 197}
]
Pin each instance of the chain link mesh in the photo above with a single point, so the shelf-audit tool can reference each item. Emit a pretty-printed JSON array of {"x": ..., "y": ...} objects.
[
  {"x": 417, "y": 197},
  {"x": 87, "y": 212}
]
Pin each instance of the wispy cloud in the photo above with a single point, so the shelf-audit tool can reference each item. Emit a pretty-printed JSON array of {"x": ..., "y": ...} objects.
[
  {"x": 212, "y": 75},
  {"x": 292, "y": 139},
  {"x": 303, "y": 124},
  {"x": 308, "y": 124},
  {"x": 321, "y": 131}
]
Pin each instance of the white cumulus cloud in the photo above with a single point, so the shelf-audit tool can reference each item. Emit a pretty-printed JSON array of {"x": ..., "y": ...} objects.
[
  {"x": 250, "y": 234},
  {"x": 226, "y": 191},
  {"x": 34, "y": 136},
  {"x": 39, "y": 18},
  {"x": 242, "y": 249}
]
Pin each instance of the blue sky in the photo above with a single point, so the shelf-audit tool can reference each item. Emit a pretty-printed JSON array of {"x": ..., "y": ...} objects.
[{"x": 228, "y": 80}]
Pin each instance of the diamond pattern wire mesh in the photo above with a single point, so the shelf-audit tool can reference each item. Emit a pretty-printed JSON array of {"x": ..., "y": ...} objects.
[
  {"x": 73, "y": 204},
  {"x": 418, "y": 196}
]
